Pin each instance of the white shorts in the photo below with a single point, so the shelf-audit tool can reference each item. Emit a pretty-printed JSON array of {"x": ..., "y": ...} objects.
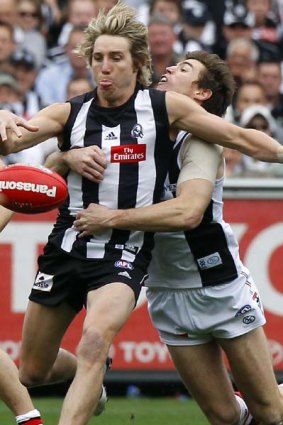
[{"x": 197, "y": 316}]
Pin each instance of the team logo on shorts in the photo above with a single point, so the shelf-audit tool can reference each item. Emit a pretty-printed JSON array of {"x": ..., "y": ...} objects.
[
  {"x": 122, "y": 264},
  {"x": 43, "y": 282},
  {"x": 209, "y": 261},
  {"x": 243, "y": 310},
  {"x": 248, "y": 319}
]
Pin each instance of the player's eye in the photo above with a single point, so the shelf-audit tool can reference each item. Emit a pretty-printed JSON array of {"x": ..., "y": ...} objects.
[
  {"x": 97, "y": 58},
  {"x": 117, "y": 57}
]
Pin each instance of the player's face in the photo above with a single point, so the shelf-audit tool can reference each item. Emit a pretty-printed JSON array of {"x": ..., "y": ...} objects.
[
  {"x": 113, "y": 70},
  {"x": 182, "y": 78}
]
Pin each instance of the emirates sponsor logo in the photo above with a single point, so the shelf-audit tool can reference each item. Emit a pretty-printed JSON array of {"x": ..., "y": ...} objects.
[
  {"x": 128, "y": 153},
  {"x": 29, "y": 187}
]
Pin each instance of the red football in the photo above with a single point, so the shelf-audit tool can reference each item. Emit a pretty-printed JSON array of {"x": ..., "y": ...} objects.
[{"x": 29, "y": 189}]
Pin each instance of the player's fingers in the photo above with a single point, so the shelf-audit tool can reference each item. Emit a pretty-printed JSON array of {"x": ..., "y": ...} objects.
[
  {"x": 99, "y": 156},
  {"x": 100, "y": 161},
  {"x": 3, "y": 132},
  {"x": 9, "y": 125},
  {"x": 84, "y": 234},
  {"x": 93, "y": 175},
  {"x": 78, "y": 224},
  {"x": 23, "y": 123}
]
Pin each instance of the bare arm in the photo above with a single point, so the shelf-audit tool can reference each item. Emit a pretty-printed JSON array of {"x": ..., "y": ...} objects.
[
  {"x": 186, "y": 114},
  {"x": 89, "y": 162},
  {"x": 18, "y": 134},
  {"x": 194, "y": 192}
]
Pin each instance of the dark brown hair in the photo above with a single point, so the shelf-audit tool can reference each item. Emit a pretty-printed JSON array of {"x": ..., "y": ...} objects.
[{"x": 216, "y": 77}]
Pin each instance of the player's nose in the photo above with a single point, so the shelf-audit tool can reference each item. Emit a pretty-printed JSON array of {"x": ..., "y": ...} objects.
[{"x": 171, "y": 69}]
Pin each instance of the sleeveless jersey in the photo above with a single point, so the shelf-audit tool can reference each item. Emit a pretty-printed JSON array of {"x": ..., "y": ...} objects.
[
  {"x": 135, "y": 139},
  {"x": 206, "y": 255}
]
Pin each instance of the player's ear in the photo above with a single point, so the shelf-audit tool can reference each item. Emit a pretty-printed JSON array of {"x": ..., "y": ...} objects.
[{"x": 202, "y": 94}]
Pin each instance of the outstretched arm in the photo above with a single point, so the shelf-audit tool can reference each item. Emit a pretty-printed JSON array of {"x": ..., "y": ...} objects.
[
  {"x": 18, "y": 134},
  {"x": 185, "y": 114},
  {"x": 194, "y": 192}
]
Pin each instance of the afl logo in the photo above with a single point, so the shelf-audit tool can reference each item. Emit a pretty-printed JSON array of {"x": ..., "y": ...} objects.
[
  {"x": 123, "y": 265},
  {"x": 137, "y": 132},
  {"x": 248, "y": 319}
]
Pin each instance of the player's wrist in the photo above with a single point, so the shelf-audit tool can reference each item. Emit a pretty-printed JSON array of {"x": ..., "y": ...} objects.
[{"x": 117, "y": 219}]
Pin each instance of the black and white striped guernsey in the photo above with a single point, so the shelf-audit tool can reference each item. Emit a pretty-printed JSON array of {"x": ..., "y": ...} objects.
[
  {"x": 207, "y": 255},
  {"x": 135, "y": 140}
]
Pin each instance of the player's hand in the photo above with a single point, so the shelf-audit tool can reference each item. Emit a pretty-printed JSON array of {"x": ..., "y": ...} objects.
[
  {"x": 94, "y": 219},
  {"x": 10, "y": 121},
  {"x": 89, "y": 162}
]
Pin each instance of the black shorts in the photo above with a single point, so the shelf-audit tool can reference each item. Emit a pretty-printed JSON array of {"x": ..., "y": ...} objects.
[{"x": 63, "y": 278}]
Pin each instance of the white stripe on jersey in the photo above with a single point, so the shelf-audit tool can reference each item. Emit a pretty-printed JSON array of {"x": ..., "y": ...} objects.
[
  {"x": 96, "y": 246},
  {"x": 79, "y": 127},
  {"x": 74, "y": 180},
  {"x": 69, "y": 238},
  {"x": 148, "y": 167},
  {"x": 108, "y": 190}
]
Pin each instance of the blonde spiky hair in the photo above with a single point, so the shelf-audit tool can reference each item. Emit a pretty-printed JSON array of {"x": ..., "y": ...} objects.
[{"x": 121, "y": 21}]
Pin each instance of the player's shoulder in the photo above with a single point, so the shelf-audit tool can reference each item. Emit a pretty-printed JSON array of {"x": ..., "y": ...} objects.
[
  {"x": 58, "y": 112},
  {"x": 82, "y": 98}
]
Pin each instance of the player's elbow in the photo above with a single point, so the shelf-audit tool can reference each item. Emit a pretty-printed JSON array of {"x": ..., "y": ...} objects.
[{"x": 191, "y": 219}]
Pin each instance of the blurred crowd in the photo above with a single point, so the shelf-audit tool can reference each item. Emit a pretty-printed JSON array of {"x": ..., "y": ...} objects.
[{"x": 39, "y": 64}]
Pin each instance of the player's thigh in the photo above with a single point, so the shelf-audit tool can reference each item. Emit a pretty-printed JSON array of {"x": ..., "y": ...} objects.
[
  {"x": 251, "y": 364},
  {"x": 203, "y": 372},
  {"x": 43, "y": 330},
  {"x": 108, "y": 309}
]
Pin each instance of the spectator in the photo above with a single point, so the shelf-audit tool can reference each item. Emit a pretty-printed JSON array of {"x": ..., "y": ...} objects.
[
  {"x": 266, "y": 29},
  {"x": 270, "y": 77},
  {"x": 79, "y": 13},
  {"x": 161, "y": 39},
  {"x": 23, "y": 66},
  {"x": 7, "y": 45},
  {"x": 195, "y": 27},
  {"x": 170, "y": 8},
  {"x": 28, "y": 30},
  {"x": 8, "y": 12},
  {"x": 105, "y": 4},
  {"x": 10, "y": 99},
  {"x": 9, "y": 94},
  {"x": 237, "y": 22},
  {"x": 242, "y": 55},
  {"x": 250, "y": 93},
  {"x": 78, "y": 86},
  {"x": 258, "y": 117},
  {"x": 234, "y": 163},
  {"x": 72, "y": 65}
]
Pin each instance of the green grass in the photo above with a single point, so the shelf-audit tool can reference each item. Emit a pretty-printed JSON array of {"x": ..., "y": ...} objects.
[{"x": 123, "y": 411}]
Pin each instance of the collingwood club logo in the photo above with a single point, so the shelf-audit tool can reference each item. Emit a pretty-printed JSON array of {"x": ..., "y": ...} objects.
[{"x": 137, "y": 132}]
